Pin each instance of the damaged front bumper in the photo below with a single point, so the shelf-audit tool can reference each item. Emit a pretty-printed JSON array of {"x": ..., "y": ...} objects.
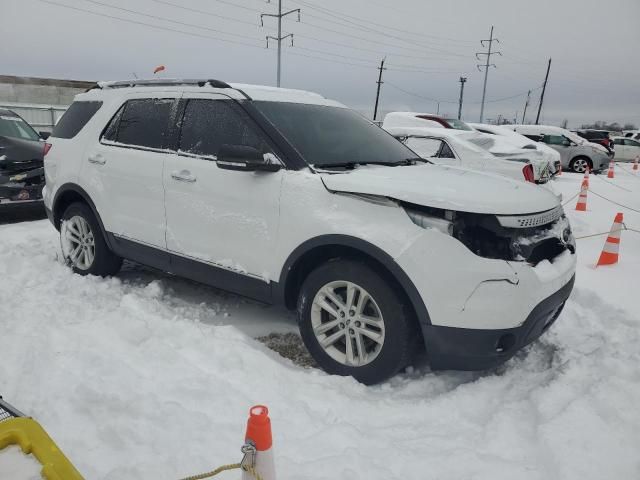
[{"x": 21, "y": 188}]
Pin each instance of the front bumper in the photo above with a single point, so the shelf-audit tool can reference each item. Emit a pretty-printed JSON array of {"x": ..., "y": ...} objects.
[
  {"x": 22, "y": 188},
  {"x": 450, "y": 348}
]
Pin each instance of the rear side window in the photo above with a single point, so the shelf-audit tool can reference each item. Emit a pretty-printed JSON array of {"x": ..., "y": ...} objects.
[
  {"x": 142, "y": 122},
  {"x": 75, "y": 118},
  {"x": 208, "y": 124},
  {"x": 554, "y": 139}
]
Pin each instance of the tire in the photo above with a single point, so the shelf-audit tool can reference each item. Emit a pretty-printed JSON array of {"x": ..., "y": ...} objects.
[
  {"x": 394, "y": 329},
  {"x": 579, "y": 164},
  {"x": 83, "y": 246}
]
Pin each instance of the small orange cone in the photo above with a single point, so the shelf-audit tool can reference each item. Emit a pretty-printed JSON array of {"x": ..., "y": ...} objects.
[
  {"x": 259, "y": 434},
  {"x": 586, "y": 177},
  {"x": 581, "y": 206},
  {"x": 610, "y": 173},
  {"x": 560, "y": 170},
  {"x": 635, "y": 163},
  {"x": 609, "y": 254}
]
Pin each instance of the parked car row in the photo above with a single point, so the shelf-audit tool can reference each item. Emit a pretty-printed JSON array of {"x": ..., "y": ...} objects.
[{"x": 290, "y": 198}]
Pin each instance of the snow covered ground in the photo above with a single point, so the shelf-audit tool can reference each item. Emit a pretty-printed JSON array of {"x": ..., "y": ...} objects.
[{"x": 148, "y": 376}]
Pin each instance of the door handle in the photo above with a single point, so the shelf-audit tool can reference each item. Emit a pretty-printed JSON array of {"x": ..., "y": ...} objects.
[
  {"x": 97, "y": 159},
  {"x": 183, "y": 176}
]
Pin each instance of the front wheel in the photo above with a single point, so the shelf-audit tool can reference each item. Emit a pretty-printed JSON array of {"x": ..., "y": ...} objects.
[
  {"x": 353, "y": 322},
  {"x": 83, "y": 246},
  {"x": 580, "y": 164}
]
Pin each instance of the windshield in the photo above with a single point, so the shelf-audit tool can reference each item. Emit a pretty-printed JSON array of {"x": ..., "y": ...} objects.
[
  {"x": 328, "y": 136},
  {"x": 14, "y": 127},
  {"x": 458, "y": 124}
]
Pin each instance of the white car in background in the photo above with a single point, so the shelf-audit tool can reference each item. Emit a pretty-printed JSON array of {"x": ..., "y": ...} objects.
[
  {"x": 445, "y": 146},
  {"x": 498, "y": 146},
  {"x": 576, "y": 153},
  {"x": 532, "y": 150},
  {"x": 627, "y": 149}
]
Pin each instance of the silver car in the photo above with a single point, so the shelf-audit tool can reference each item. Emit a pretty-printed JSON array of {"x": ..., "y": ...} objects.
[{"x": 576, "y": 153}]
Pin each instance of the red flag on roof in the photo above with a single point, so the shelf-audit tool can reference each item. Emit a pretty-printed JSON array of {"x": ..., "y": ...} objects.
[{"x": 159, "y": 68}]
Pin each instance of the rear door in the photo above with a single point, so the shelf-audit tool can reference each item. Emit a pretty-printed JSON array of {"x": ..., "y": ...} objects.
[
  {"x": 557, "y": 142},
  {"x": 621, "y": 149},
  {"x": 631, "y": 149},
  {"x": 223, "y": 218},
  {"x": 123, "y": 171}
]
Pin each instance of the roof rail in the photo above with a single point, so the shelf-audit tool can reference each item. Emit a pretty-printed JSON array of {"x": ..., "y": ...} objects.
[{"x": 163, "y": 82}]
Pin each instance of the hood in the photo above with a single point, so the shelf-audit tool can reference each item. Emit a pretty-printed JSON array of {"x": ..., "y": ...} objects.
[{"x": 445, "y": 187}]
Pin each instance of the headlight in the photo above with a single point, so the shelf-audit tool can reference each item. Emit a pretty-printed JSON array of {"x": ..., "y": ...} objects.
[{"x": 429, "y": 221}]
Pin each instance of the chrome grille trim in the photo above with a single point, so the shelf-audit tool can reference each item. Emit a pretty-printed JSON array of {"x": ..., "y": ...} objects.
[{"x": 529, "y": 221}]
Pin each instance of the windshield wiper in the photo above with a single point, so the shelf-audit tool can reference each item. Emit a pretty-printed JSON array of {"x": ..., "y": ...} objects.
[{"x": 352, "y": 165}]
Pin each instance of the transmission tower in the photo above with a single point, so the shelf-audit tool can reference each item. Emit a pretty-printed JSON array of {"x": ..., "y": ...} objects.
[
  {"x": 280, "y": 37},
  {"x": 486, "y": 66}
]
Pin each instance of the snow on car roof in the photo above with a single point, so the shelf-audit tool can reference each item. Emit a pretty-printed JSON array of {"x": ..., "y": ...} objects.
[
  {"x": 424, "y": 131},
  {"x": 409, "y": 119},
  {"x": 237, "y": 91}
]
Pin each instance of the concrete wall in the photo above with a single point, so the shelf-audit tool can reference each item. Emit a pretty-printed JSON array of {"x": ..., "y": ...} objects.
[{"x": 40, "y": 101}]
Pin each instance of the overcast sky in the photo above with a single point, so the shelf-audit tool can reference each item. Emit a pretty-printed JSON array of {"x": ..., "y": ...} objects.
[{"x": 595, "y": 46}]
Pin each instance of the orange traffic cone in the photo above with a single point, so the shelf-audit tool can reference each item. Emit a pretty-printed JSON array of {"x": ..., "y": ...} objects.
[
  {"x": 609, "y": 254},
  {"x": 259, "y": 435},
  {"x": 610, "y": 172},
  {"x": 635, "y": 163},
  {"x": 560, "y": 170},
  {"x": 586, "y": 177},
  {"x": 581, "y": 206}
]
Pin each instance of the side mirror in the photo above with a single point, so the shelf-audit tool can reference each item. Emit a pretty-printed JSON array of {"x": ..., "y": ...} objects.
[
  {"x": 246, "y": 159},
  {"x": 44, "y": 135}
]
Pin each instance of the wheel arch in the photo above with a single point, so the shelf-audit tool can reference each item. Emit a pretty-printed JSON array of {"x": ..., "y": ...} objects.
[
  {"x": 318, "y": 250},
  {"x": 67, "y": 194}
]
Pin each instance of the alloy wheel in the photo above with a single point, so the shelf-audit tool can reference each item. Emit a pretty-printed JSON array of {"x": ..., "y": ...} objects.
[
  {"x": 580, "y": 165},
  {"x": 77, "y": 242},
  {"x": 347, "y": 323}
]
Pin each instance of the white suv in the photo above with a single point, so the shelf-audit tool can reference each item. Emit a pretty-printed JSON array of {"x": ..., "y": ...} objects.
[{"x": 287, "y": 197}]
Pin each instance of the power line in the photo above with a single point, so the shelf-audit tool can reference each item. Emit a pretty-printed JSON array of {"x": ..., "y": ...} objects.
[
  {"x": 362, "y": 24},
  {"x": 210, "y": 14}
]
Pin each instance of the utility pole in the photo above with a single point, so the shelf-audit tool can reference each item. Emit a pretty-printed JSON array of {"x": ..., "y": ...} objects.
[
  {"x": 486, "y": 66},
  {"x": 526, "y": 104},
  {"x": 462, "y": 81},
  {"x": 438, "y": 108},
  {"x": 279, "y": 38},
  {"x": 379, "y": 82},
  {"x": 544, "y": 87}
]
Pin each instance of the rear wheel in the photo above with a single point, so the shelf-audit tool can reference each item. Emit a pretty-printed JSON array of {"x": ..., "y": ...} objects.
[
  {"x": 580, "y": 164},
  {"x": 83, "y": 246},
  {"x": 354, "y": 323}
]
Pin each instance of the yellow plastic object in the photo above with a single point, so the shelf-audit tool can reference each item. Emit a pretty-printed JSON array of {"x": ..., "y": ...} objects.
[{"x": 32, "y": 439}]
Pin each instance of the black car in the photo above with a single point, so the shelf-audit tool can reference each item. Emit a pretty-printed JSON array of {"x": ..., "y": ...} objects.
[
  {"x": 21, "y": 162},
  {"x": 600, "y": 137}
]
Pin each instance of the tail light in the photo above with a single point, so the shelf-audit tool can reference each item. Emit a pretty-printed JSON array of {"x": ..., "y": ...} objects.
[
  {"x": 527, "y": 171},
  {"x": 45, "y": 150}
]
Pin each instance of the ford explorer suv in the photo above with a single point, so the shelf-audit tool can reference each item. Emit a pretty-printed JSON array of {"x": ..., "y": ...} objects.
[{"x": 290, "y": 198}]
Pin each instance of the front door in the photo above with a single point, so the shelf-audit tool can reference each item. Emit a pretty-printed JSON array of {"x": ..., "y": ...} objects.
[{"x": 227, "y": 219}]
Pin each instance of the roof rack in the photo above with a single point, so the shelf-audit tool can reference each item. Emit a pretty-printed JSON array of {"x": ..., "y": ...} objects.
[{"x": 162, "y": 82}]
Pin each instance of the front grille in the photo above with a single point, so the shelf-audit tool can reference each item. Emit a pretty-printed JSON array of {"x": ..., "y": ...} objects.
[{"x": 528, "y": 221}]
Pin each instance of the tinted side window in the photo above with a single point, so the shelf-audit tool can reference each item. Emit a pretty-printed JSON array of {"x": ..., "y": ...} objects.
[
  {"x": 145, "y": 122},
  {"x": 208, "y": 124},
  {"x": 111, "y": 132},
  {"x": 554, "y": 139},
  {"x": 631, "y": 143},
  {"x": 618, "y": 141},
  {"x": 446, "y": 152},
  {"x": 75, "y": 118}
]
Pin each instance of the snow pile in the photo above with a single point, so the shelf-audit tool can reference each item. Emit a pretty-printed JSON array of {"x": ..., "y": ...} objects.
[{"x": 149, "y": 376}]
